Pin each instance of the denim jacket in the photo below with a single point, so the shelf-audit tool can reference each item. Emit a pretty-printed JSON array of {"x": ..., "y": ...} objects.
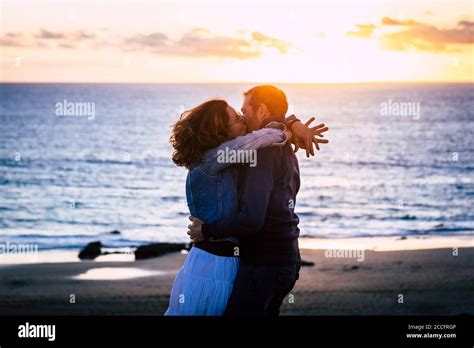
[{"x": 211, "y": 185}]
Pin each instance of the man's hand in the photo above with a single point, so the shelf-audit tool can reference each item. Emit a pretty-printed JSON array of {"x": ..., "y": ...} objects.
[
  {"x": 305, "y": 137},
  {"x": 195, "y": 230}
]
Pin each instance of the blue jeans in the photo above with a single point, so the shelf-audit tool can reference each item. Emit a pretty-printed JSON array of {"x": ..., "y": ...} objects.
[{"x": 259, "y": 290}]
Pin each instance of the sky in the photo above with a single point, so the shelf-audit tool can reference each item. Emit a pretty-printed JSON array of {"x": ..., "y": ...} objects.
[{"x": 204, "y": 41}]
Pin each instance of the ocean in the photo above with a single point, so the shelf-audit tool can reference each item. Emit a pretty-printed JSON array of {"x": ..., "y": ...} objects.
[{"x": 399, "y": 161}]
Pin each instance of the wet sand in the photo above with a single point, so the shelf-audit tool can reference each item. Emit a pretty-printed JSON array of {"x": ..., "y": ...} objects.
[{"x": 431, "y": 282}]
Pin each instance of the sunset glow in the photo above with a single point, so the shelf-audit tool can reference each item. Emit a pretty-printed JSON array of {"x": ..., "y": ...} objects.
[{"x": 211, "y": 41}]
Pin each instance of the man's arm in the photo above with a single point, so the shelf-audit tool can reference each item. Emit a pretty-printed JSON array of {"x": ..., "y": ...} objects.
[
  {"x": 253, "y": 202},
  {"x": 304, "y": 136}
]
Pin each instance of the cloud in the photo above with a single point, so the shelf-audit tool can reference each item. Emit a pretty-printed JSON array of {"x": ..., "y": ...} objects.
[
  {"x": 45, "y": 38},
  {"x": 198, "y": 42},
  {"x": 201, "y": 42},
  {"x": 80, "y": 35},
  {"x": 363, "y": 31},
  {"x": 403, "y": 35},
  {"x": 466, "y": 24},
  {"x": 66, "y": 45},
  {"x": 71, "y": 36},
  {"x": 146, "y": 40},
  {"x": 46, "y": 34},
  {"x": 395, "y": 22},
  {"x": 429, "y": 38},
  {"x": 13, "y": 40},
  {"x": 268, "y": 41}
]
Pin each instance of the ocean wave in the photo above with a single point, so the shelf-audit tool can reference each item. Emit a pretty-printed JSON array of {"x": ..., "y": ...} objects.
[{"x": 410, "y": 165}]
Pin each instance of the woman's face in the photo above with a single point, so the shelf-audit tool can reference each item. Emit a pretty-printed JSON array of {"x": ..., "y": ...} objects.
[{"x": 236, "y": 125}]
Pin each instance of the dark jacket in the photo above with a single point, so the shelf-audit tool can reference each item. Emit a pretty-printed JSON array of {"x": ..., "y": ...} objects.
[{"x": 265, "y": 221}]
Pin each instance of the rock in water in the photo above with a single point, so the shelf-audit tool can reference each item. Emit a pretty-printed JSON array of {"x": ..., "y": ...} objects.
[
  {"x": 157, "y": 249},
  {"x": 91, "y": 251}
]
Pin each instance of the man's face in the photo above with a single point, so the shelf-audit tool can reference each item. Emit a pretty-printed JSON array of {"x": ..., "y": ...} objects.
[
  {"x": 251, "y": 118},
  {"x": 236, "y": 125}
]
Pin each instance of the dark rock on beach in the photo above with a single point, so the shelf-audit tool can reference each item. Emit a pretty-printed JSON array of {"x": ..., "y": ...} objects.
[
  {"x": 347, "y": 268},
  {"x": 114, "y": 232},
  {"x": 306, "y": 263},
  {"x": 147, "y": 251},
  {"x": 91, "y": 251},
  {"x": 158, "y": 249}
]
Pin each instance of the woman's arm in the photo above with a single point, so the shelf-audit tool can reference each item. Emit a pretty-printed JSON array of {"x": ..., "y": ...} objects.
[{"x": 214, "y": 159}]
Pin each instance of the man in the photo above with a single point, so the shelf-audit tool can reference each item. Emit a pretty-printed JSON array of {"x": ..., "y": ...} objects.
[{"x": 265, "y": 223}]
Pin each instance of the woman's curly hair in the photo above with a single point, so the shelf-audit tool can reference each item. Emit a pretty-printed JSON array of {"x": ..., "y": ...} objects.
[{"x": 198, "y": 130}]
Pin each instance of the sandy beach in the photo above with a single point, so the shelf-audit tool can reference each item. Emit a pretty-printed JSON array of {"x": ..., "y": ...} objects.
[{"x": 427, "y": 281}]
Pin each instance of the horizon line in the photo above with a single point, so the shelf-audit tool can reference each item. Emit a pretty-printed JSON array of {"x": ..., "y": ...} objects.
[{"x": 247, "y": 82}]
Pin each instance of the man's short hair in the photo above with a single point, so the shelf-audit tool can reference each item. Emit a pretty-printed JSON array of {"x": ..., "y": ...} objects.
[{"x": 272, "y": 97}]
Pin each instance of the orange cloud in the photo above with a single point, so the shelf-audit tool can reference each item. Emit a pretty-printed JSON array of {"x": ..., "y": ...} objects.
[
  {"x": 395, "y": 22},
  {"x": 411, "y": 34},
  {"x": 363, "y": 31},
  {"x": 268, "y": 41}
]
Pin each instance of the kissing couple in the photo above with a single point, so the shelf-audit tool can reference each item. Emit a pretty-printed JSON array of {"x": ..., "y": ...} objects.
[{"x": 241, "y": 187}]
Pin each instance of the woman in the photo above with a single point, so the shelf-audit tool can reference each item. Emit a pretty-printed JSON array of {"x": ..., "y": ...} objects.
[{"x": 204, "y": 284}]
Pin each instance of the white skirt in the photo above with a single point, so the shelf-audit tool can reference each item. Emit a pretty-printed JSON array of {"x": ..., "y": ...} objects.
[{"x": 203, "y": 285}]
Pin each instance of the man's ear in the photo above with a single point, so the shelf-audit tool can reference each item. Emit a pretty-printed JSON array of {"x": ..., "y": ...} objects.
[{"x": 264, "y": 112}]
